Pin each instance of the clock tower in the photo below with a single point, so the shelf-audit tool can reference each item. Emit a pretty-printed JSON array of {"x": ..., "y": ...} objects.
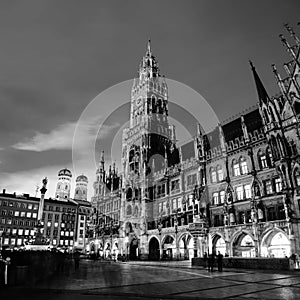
[{"x": 147, "y": 147}]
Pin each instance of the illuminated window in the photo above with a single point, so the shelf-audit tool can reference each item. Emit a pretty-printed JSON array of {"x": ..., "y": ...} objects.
[
  {"x": 216, "y": 198},
  {"x": 236, "y": 169},
  {"x": 248, "y": 193},
  {"x": 278, "y": 184},
  {"x": 222, "y": 196},
  {"x": 240, "y": 193},
  {"x": 244, "y": 166}
]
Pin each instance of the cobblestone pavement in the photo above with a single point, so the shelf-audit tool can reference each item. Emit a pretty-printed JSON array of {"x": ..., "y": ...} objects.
[{"x": 174, "y": 280}]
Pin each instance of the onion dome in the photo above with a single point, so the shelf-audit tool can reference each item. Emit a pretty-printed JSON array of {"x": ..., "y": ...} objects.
[
  {"x": 82, "y": 178},
  {"x": 65, "y": 172}
]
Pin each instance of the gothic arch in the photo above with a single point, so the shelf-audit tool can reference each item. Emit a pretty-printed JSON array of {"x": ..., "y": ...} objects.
[
  {"x": 270, "y": 248},
  {"x": 237, "y": 247}
]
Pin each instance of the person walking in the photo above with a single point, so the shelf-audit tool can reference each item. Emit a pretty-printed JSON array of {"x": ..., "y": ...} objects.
[
  {"x": 205, "y": 260},
  {"x": 220, "y": 261},
  {"x": 210, "y": 261},
  {"x": 76, "y": 257}
]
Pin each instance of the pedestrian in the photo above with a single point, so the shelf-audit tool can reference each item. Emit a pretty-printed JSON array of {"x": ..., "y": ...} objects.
[
  {"x": 209, "y": 262},
  {"x": 76, "y": 257},
  {"x": 205, "y": 260},
  {"x": 220, "y": 261}
]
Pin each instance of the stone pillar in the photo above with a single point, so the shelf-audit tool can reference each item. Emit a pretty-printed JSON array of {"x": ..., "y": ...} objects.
[{"x": 195, "y": 238}]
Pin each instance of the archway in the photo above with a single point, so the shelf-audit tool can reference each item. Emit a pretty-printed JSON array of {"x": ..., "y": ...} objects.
[
  {"x": 276, "y": 244},
  {"x": 186, "y": 247},
  {"x": 154, "y": 249},
  {"x": 133, "y": 249},
  {"x": 168, "y": 247},
  {"x": 244, "y": 246},
  {"x": 219, "y": 245}
]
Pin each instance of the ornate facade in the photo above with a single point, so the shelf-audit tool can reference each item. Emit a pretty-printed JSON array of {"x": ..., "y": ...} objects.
[{"x": 235, "y": 189}]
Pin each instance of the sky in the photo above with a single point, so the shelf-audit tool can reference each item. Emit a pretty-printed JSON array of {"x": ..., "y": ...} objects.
[{"x": 57, "y": 56}]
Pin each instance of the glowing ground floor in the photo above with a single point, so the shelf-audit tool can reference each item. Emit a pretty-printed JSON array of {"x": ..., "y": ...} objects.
[{"x": 272, "y": 239}]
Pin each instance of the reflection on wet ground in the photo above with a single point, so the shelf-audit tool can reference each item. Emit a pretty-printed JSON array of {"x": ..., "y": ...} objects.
[{"x": 113, "y": 280}]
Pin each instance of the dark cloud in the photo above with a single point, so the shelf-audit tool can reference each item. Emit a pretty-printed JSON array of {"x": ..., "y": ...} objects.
[{"x": 58, "y": 55}]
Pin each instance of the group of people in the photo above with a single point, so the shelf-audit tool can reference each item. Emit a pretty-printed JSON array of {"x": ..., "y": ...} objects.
[{"x": 209, "y": 261}]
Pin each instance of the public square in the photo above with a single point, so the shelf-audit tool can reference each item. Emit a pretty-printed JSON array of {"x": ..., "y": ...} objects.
[{"x": 160, "y": 280}]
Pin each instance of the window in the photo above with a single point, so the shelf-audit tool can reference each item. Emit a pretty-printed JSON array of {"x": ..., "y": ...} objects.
[
  {"x": 248, "y": 193},
  {"x": 159, "y": 207},
  {"x": 22, "y": 214},
  {"x": 240, "y": 193},
  {"x": 3, "y": 212},
  {"x": 56, "y": 217},
  {"x": 56, "y": 224},
  {"x": 215, "y": 198},
  {"x": 17, "y": 213},
  {"x": 236, "y": 169},
  {"x": 34, "y": 215},
  {"x": 174, "y": 203},
  {"x": 220, "y": 174},
  {"x": 161, "y": 190},
  {"x": 49, "y": 216},
  {"x": 268, "y": 187},
  {"x": 213, "y": 175},
  {"x": 71, "y": 233},
  {"x": 20, "y": 232},
  {"x": 50, "y": 208},
  {"x": 30, "y": 206},
  {"x": 175, "y": 185},
  {"x": 28, "y": 215},
  {"x": 62, "y": 233},
  {"x": 271, "y": 214},
  {"x": 26, "y": 232},
  {"x": 263, "y": 161},
  {"x": 49, "y": 224},
  {"x": 191, "y": 180},
  {"x": 244, "y": 166},
  {"x": 278, "y": 185},
  {"x": 35, "y": 207},
  {"x": 297, "y": 177}
]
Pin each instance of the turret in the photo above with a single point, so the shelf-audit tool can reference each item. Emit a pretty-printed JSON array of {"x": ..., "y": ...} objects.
[{"x": 63, "y": 187}]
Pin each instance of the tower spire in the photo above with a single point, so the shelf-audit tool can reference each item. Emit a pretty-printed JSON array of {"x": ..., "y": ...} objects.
[
  {"x": 292, "y": 33},
  {"x": 288, "y": 46},
  {"x": 149, "y": 46},
  {"x": 261, "y": 91}
]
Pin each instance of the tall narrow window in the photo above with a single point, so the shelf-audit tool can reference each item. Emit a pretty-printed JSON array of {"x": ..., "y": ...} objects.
[
  {"x": 236, "y": 169},
  {"x": 240, "y": 193},
  {"x": 248, "y": 193},
  {"x": 244, "y": 166},
  {"x": 216, "y": 198},
  {"x": 222, "y": 196},
  {"x": 213, "y": 175},
  {"x": 220, "y": 173},
  {"x": 278, "y": 185}
]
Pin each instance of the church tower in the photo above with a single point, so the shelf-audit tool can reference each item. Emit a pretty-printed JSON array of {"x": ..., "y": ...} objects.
[
  {"x": 63, "y": 187},
  {"x": 81, "y": 188},
  {"x": 147, "y": 147}
]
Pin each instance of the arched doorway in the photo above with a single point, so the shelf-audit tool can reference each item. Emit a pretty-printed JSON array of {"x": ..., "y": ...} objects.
[
  {"x": 186, "y": 247},
  {"x": 168, "y": 247},
  {"x": 133, "y": 249},
  {"x": 154, "y": 249},
  {"x": 219, "y": 245},
  {"x": 244, "y": 246},
  {"x": 276, "y": 244}
]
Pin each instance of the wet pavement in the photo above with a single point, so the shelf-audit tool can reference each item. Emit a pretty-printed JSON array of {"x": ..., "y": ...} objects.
[{"x": 170, "y": 280}]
